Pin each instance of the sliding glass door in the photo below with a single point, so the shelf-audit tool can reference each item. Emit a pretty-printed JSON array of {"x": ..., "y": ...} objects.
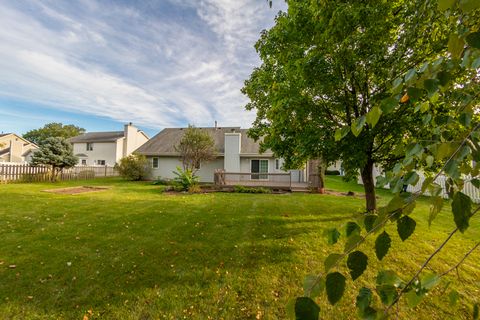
[{"x": 259, "y": 166}]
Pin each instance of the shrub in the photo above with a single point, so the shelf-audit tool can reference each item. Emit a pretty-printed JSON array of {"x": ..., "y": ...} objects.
[
  {"x": 195, "y": 188},
  {"x": 134, "y": 167},
  {"x": 242, "y": 189},
  {"x": 332, "y": 172},
  {"x": 163, "y": 182},
  {"x": 185, "y": 178}
]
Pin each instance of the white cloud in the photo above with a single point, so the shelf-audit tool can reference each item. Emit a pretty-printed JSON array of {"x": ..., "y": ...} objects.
[{"x": 131, "y": 65}]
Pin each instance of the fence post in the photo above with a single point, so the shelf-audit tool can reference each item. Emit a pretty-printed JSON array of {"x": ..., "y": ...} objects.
[{"x": 105, "y": 170}]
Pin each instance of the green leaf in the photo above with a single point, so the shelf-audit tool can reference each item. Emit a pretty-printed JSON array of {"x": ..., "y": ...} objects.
[
  {"x": 388, "y": 104},
  {"x": 462, "y": 210},
  {"x": 476, "y": 63},
  {"x": 445, "y": 4},
  {"x": 469, "y": 5},
  {"x": 455, "y": 45},
  {"x": 373, "y": 116},
  {"x": 332, "y": 236},
  {"x": 357, "y": 263},
  {"x": 414, "y": 93},
  {"x": 352, "y": 228},
  {"x": 382, "y": 244},
  {"x": 476, "y": 311},
  {"x": 429, "y": 281},
  {"x": 405, "y": 227},
  {"x": 352, "y": 242},
  {"x": 414, "y": 149},
  {"x": 313, "y": 286},
  {"x": 476, "y": 183},
  {"x": 357, "y": 126},
  {"x": 431, "y": 85},
  {"x": 388, "y": 277},
  {"x": 465, "y": 119},
  {"x": 306, "y": 309},
  {"x": 473, "y": 39},
  {"x": 364, "y": 299},
  {"x": 411, "y": 76},
  {"x": 429, "y": 160},
  {"x": 341, "y": 133},
  {"x": 388, "y": 293},
  {"x": 453, "y": 297},
  {"x": 369, "y": 221},
  {"x": 331, "y": 260},
  {"x": 413, "y": 299},
  {"x": 397, "y": 85},
  {"x": 443, "y": 77},
  {"x": 335, "y": 284},
  {"x": 395, "y": 203},
  {"x": 451, "y": 169},
  {"x": 435, "y": 208}
]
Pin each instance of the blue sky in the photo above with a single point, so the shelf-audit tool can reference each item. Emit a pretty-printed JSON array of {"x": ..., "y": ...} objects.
[{"x": 101, "y": 63}]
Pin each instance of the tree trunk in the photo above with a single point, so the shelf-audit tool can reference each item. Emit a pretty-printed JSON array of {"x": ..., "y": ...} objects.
[
  {"x": 321, "y": 175},
  {"x": 369, "y": 186}
]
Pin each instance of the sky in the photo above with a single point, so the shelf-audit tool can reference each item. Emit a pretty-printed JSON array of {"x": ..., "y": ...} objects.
[{"x": 99, "y": 64}]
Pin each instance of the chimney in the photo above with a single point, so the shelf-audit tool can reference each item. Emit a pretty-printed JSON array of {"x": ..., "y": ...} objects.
[
  {"x": 232, "y": 150},
  {"x": 215, "y": 124}
]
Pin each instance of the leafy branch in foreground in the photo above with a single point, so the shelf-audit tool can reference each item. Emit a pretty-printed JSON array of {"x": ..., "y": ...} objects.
[{"x": 443, "y": 92}]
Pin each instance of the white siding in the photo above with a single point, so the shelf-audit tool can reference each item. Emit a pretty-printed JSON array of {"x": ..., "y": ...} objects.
[
  {"x": 101, "y": 151},
  {"x": 232, "y": 152},
  {"x": 166, "y": 166}
]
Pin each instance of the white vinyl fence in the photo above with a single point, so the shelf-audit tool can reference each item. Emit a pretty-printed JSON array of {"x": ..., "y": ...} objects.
[{"x": 468, "y": 188}]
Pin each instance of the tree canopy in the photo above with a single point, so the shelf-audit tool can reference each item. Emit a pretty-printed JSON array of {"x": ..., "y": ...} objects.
[
  {"x": 54, "y": 129},
  {"x": 325, "y": 80},
  {"x": 196, "y": 147},
  {"x": 57, "y": 153}
]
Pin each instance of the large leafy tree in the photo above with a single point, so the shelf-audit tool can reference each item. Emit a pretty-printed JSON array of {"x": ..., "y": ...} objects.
[
  {"x": 57, "y": 153},
  {"x": 54, "y": 129},
  {"x": 325, "y": 81},
  {"x": 444, "y": 89}
]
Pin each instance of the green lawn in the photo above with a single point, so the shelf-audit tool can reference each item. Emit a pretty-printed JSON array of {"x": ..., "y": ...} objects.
[{"x": 133, "y": 253}]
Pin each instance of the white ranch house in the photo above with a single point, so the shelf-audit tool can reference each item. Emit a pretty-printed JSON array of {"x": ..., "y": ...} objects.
[{"x": 237, "y": 153}]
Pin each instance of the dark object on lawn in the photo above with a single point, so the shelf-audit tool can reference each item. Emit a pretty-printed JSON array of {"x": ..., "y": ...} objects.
[
  {"x": 350, "y": 193},
  {"x": 332, "y": 172}
]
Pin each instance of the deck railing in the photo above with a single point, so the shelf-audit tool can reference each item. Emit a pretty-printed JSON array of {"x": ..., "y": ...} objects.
[{"x": 248, "y": 179}]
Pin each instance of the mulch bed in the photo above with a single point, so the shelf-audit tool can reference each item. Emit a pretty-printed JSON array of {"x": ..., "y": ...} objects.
[{"x": 77, "y": 190}]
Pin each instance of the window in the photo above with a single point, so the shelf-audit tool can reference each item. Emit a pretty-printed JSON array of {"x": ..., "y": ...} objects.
[
  {"x": 84, "y": 162},
  {"x": 101, "y": 162},
  {"x": 89, "y": 146},
  {"x": 277, "y": 164},
  {"x": 259, "y": 166},
  {"x": 155, "y": 163}
]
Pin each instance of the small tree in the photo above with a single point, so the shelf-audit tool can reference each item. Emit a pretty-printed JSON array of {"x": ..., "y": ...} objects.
[
  {"x": 134, "y": 167},
  {"x": 195, "y": 147},
  {"x": 57, "y": 153}
]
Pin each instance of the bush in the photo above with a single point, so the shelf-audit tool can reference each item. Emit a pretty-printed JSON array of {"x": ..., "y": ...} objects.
[
  {"x": 242, "y": 189},
  {"x": 134, "y": 167},
  {"x": 195, "y": 188},
  {"x": 185, "y": 178},
  {"x": 332, "y": 172},
  {"x": 163, "y": 182}
]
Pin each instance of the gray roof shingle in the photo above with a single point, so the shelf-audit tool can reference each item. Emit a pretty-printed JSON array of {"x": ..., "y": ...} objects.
[
  {"x": 164, "y": 142},
  {"x": 108, "y": 136}
]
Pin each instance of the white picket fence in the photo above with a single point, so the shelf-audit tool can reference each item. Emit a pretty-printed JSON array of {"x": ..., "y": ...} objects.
[{"x": 468, "y": 188}]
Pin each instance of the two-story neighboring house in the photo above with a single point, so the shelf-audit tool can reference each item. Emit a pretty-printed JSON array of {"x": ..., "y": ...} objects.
[
  {"x": 14, "y": 148},
  {"x": 107, "y": 148}
]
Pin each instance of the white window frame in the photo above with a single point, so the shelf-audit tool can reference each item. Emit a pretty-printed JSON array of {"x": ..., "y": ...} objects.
[
  {"x": 84, "y": 162},
  {"x": 89, "y": 146},
  {"x": 259, "y": 173},
  {"x": 153, "y": 162}
]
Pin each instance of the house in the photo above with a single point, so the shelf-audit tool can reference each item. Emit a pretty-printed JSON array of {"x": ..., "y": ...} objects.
[
  {"x": 237, "y": 153},
  {"x": 14, "y": 148},
  {"x": 107, "y": 148}
]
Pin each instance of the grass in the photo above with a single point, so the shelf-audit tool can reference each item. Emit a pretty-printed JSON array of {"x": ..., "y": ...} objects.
[{"x": 133, "y": 253}]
